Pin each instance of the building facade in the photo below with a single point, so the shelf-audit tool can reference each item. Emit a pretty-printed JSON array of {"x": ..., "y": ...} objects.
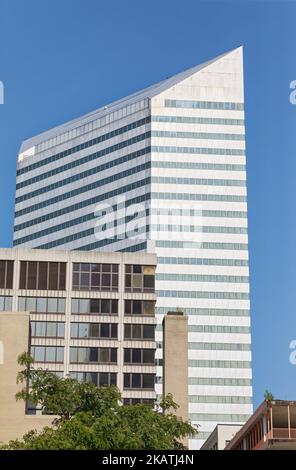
[
  {"x": 220, "y": 437},
  {"x": 271, "y": 427},
  {"x": 92, "y": 315},
  {"x": 164, "y": 171},
  {"x": 14, "y": 340}
]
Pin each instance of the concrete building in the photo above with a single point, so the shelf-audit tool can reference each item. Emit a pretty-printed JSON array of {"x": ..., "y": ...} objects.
[
  {"x": 14, "y": 339},
  {"x": 92, "y": 317},
  {"x": 164, "y": 171},
  {"x": 175, "y": 361},
  {"x": 220, "y": 437},
  {"x": 271, "y": 427}
]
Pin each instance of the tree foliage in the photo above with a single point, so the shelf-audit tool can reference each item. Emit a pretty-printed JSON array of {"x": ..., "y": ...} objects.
[
  {"x": 268, "y": 396},
  {"x": 88, "y": 417}
]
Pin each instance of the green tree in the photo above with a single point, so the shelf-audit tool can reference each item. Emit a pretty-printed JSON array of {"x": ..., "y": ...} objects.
[
  {"x": 93, "y": 418},
  {"x": 268, "y": 396}
]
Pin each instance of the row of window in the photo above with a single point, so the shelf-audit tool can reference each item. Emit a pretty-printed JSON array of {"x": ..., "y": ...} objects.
[
  {"x": 216, "y": 381},
  {"x": 6, "y": 274},
  {"x": 199, "y": 120},
  {"x": 201, "y": 245},
  {"x": 94, "y": 330},
  {"x": 138, "y": 381},
  {"x": 198, "y": 229},
  {"x": 86, "y": 203},
  {"x": 89, "y": 187},
  {"x": 139, "y": 278},
  {"x": 47, "y": 353},
  {"x": 139, "y": 356},
  {"x": 198, "y": 197},
  {"x": 134, "y": 331},
  {"x": 92, "y": 215},
  {"x": 204, "y": 295},
  {"x": 95, "y": 306},
  {"x": 214, "y": 328},
  {"x": 118, "y": 191},
  {"x": 92, "y": 125},
  {"x": 100, "y": 379},
  {"x": 220, "y": 329},
  {"x": 228, "y": 106},
  {"x": 133, "y": 248},
  {"x": 220, "y": 346},
  {"x": 220, "y": 381},
  {"x": 203, "y": 261},
  {"x": 98, "y": 355},
  {"x": 139, "y": 401},
  {"x": 219, "y": 417},
  {"x": 197, "y": 181},
  {"x": 198, "y": 150},
  {"x": 131, "y": 381},
  {"x": 120, "y": 221},
  {"x": 95, "y": 277},
  {"x": 201, "y": 278},
  {"x": 42, "y": 275},
  {"x": 82, "y": 146},
  {"x": 198, "y": 166},
  {"x": 76, "y": 177},
  {"x": 197, "y": 135},
  {"x": 79, "y": 306},
  {"x": 110, "y": 307},
  {"x": 86, "y": 276},
  {"x": 181, "y": 212},
  {"x": 100, "y": 243},
  {"x": 220, "y": 364},
  {"x": 47, "y": 329},
  {"x": 224, "y": 312},
  {"x": 220, "y": 399},
  {"x": 139, "y": 307},
  {"x": 42, "y": 304}
]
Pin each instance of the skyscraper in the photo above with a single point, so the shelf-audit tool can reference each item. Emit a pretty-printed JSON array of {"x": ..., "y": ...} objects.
[{"x": 162, "y": 170}]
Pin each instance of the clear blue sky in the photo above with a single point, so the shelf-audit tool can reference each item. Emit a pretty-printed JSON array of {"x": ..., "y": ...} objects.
[{"x": 63, "y": 58}]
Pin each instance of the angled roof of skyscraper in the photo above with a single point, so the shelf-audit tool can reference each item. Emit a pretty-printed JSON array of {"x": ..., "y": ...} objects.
[{"x": 148, "y": 92}]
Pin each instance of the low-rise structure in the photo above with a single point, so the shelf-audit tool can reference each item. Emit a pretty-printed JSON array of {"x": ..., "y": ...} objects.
[
  {"x": 271, "y": 427},
  {"x": 90, "y": 315},
  {"x": 221, "y": 436}
]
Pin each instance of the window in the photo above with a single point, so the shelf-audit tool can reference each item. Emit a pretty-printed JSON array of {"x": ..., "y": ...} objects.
[
  {"x": 134, "y": 331},
  {"x": 52, "y": 306},
  {"x": 94, "y": 330},
  {"x": 41, "y": 304},
  {"x": 95, "y": 306},
  {"x": 6, "y": 274},
  {"x": 138, "y": 381},
  {"x": 5, "y": 304},
  {"x": 47, "y": 353},
  {"x": 95, "y": 277},
  {"x": 139, "y": 356},
  {"x": 139, "y": 278},
  {"x": 98, "y": 355},
  {"x": 42, "y": 275},
  {"x": 139, "y": 307},
  {"x": 136, "y": 401},
  {"x": 100, "y": 379}
]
